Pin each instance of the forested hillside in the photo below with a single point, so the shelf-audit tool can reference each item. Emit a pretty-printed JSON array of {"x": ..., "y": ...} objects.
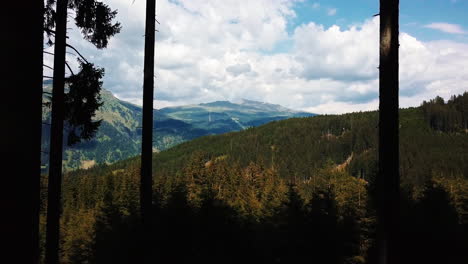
[
  {"x": 119, "y": 135},
  {"x": 289, "y": 191}
]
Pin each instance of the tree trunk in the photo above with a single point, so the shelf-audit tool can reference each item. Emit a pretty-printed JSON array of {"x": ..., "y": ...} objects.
[
  {"x": 20, "y": 140},
  {"x": 56, "y": 138},
  {"x": 147, "y": 133},
  {"x": 389, "y": 179}
]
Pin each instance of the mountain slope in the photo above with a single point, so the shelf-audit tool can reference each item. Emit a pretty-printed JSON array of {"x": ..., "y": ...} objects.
[
  {"x": 119, "y": 135},
  {"x": 294, "y": 189}
]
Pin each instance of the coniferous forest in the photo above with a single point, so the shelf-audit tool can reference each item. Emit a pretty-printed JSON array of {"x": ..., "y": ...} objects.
[
  {"x": 386, "y": 186},
  {"x": 286, "y": 192}
]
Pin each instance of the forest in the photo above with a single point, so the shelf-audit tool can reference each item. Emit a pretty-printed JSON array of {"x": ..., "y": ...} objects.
[
  {"x": 288, "y": 191},
  {"x": 386, "y": 186}
]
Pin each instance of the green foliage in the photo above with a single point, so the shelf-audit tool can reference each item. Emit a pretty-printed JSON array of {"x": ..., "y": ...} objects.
[
  {"x": 290, "y": 191},
  {"x": 82, "y": 101},
  {"x": 448, "y": 117},
  {"x": 94, "y": 19}
]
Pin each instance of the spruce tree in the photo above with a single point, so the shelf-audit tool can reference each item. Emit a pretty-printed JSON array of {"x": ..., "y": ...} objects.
[{"x": 95, "y": 21}]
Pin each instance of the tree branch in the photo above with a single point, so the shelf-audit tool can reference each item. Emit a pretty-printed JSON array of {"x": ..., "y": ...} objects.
[
  {"x": 73, "y": 48},
  {"x": 49, "y": 31},
  {"x": 68, "y": 66},
  {"x": 46, "y": 52},
  {"x": 44, "y": 76},
  {"x": 47, "y": 66}
]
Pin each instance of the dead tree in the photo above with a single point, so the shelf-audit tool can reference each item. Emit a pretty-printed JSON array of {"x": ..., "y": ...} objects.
[
  {"x": 388, "y": 182},
  {"x": 147, "y": 130}
]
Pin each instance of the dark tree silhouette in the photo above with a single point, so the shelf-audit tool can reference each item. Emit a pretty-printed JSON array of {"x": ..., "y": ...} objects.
[
  {"x": 81, "y": 102},
  {"x": 94, "y": 20},
  {"x": 147, "y": 133},
  {"x": 21, "y": 128},
  {"x": 388, "y": 180},
  {"x": 55, "y": 152},
  {"x": 431, "y": 228}
]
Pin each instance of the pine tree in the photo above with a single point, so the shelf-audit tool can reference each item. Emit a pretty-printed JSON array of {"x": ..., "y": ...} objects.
[
  {"x": 94, "y": 19},
  {"x": 55, "y": 153}
]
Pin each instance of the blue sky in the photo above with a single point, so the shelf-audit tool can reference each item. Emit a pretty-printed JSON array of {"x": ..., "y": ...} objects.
[
  {"x": 414, "y": 16},
  {"x": 317, "y": 56}
]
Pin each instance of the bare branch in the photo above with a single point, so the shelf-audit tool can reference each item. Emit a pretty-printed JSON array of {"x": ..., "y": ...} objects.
[
  {"x": 376, "y": 15},
  {"x": 44, "y": 76},
  {"x": 47, "y": 66},
  {"x": 70, "y": 46},
  {"x": 46, "y": 52},
  {"x": 69, "y": 68},
  {"x": 50, "y": 31},
  {"x": 46, "y": 93}
]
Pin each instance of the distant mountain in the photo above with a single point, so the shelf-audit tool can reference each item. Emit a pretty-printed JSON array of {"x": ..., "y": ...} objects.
[
  {"x": 224, "y": 116},
  {"x": 119, "y": 135}
]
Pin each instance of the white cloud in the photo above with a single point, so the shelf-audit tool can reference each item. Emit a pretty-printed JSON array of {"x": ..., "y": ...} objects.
[
  {"x": 238, "y": 69},
  {"x": 331, "y": 11},
  {"x": 210, "y": 50},
  {"x": 447, "y": 28},
  {"x": 315, "y": 5}
]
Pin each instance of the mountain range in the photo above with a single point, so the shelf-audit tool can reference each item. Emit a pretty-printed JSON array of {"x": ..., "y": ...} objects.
[{"x": 119, "y": 136}]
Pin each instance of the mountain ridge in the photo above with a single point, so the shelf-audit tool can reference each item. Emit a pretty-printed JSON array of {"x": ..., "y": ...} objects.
[{"x": 119, "y": 136}]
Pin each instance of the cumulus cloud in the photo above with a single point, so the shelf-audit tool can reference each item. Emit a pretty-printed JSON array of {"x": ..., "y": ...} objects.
[
  {"x": 447, "y": 28},
  {"x": 210, "y": 50}
]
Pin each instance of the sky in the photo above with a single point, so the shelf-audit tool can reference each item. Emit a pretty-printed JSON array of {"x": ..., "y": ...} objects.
[{"x": 316, "y": 56}]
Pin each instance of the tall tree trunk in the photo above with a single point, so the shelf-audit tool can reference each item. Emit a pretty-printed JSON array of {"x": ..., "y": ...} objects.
[
  {"x": 147, "y": 133},
  {"x": 389, "y": 179},
  {"x": 20, "y": 140},
  {"x": 56, "y": 137}
]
